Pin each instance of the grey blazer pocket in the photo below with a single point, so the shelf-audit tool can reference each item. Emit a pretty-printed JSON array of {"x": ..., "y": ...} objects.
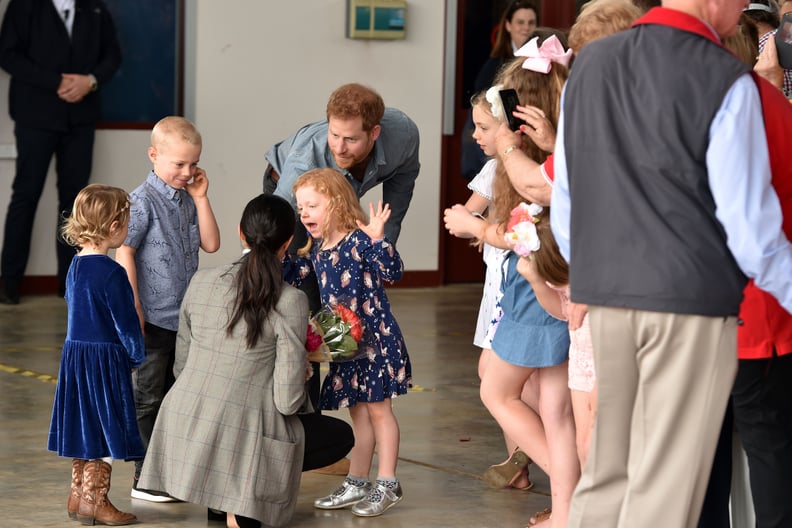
[{"x": 275, "y": 477}]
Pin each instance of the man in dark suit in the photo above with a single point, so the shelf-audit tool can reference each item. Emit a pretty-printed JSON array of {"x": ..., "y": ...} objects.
[{"x": 58, "y": 53}]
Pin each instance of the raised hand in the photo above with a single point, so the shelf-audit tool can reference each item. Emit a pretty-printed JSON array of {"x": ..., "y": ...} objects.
[
  {"x": 537, "y": 127},
  {"x": 377, "y": 219}
]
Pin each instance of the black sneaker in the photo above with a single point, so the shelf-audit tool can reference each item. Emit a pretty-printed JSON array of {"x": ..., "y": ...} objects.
[
  {"x": 150, "y": 495},
  {"x": 8, "y": 296}
]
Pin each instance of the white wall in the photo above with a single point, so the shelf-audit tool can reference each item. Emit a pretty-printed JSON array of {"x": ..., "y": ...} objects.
[{"x": 256, "y": 71}]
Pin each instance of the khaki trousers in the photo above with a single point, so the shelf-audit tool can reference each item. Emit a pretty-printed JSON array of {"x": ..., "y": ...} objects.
[{"x": 663, "y": 383}]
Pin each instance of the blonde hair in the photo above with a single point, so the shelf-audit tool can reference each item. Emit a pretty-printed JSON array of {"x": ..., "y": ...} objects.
[
  {"x": 96, "y": 208},
  {"x": 343, "y": 204},
  {"x": 172, "y": 128},
  {"x": 600, "y": 18}
]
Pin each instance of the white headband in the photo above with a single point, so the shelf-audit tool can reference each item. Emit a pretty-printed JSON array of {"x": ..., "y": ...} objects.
[{"x": 758, "y": 7}]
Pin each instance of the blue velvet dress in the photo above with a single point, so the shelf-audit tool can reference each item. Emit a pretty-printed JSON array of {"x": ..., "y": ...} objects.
[
  {"x": 352, "y": 274},
  {"x": 94, "y": 411}
]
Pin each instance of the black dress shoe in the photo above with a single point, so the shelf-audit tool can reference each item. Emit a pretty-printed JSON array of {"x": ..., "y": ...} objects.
[
  {"x": 7, "y": 297},
  {"x": 215, "y": 515}
]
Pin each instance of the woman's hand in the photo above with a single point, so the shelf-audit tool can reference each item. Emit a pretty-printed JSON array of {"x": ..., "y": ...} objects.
[
  {"x": 537, "y": 127},
  {"x": 377, "y": 219}
]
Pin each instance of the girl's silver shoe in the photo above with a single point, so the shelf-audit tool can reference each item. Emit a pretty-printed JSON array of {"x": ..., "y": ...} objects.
[
  {"x": 345, "y": 495},
  {"x": 378, "y": 500}
]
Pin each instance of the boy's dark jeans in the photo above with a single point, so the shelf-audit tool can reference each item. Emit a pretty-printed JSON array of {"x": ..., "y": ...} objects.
[{"x": 153, "y": 379}]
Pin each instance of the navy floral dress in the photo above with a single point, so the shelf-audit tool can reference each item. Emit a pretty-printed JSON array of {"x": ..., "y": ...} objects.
[{"x": 352, "y": 274}]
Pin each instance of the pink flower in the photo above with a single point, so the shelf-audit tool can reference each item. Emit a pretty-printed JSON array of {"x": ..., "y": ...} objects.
[
  {"x": 521, "y": 235},
  {"x": 312, "y": 340}
]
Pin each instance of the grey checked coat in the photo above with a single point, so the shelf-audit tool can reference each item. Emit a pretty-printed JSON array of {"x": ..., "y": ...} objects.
[{"x": 226, "y": 435}]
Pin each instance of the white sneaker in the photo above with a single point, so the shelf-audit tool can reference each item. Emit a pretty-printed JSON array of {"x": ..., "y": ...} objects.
[{"x": 150, "y": 495}]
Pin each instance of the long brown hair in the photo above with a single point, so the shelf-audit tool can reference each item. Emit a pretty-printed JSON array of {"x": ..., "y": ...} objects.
[
  {"x": 502, "y": 49},
  {"x": 550, "y": 264}
]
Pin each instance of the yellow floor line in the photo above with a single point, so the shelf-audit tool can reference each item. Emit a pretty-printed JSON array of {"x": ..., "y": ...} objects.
[{"x": 29, "y": 373}]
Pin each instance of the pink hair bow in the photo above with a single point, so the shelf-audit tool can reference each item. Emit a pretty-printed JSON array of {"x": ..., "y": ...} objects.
[{"x": 539, "y": 58}]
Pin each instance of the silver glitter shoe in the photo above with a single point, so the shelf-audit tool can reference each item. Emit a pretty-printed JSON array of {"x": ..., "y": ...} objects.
[
  {"x": 378, "y": 500},
  {"x": 346, "y": 494}
]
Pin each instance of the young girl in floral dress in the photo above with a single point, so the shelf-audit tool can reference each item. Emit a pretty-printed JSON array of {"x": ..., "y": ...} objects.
[{"x": 351, "y": 260}]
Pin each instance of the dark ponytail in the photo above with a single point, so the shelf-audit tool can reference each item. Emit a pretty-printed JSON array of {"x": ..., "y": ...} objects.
[{"x": 267, "y": 223}]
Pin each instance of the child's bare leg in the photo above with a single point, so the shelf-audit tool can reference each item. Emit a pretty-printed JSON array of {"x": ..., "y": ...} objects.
[
  {"x": 556, "y": 412},
  {"x": 386, "y": 433},
  {"x": 363, "y": 450},
  {"x": 501, "y": 390},
  {"x": 583, "y": 410}
]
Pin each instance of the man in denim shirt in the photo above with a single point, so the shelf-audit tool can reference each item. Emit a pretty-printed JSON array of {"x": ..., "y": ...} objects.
[{"x": 368, "y": 143}]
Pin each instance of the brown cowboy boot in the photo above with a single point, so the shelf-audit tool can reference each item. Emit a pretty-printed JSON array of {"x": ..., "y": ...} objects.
[
  {"x": 95, "y": 506},
  {"x": 76, "y": 487}
]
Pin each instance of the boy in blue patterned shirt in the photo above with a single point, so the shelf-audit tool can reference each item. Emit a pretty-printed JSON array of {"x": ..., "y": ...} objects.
[{"x": 171, "y": 218}]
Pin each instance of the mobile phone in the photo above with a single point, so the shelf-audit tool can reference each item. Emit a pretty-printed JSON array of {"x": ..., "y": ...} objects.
[
  {"x": 510, "y": 101},
  {"x": 783, "y": 39}
]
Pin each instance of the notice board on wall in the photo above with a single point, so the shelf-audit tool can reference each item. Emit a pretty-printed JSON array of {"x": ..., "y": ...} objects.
[{"x": 148, "y": 85}]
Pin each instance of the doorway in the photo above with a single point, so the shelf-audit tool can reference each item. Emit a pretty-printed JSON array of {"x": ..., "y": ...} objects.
[{"x": 476, "y": 19}]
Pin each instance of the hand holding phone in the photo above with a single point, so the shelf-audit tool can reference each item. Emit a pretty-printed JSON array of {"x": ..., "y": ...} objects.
[{"x": 510, "y": 101}]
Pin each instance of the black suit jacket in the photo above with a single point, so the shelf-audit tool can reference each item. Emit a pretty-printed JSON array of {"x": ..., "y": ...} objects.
[{"x": 35, "y": 49}]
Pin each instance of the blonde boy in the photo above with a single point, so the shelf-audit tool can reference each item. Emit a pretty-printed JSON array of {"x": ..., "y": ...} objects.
[{"x": 171, "y": 218}]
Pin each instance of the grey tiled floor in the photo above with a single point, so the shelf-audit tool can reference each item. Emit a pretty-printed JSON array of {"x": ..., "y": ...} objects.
[{"x": 448, "y": 438}]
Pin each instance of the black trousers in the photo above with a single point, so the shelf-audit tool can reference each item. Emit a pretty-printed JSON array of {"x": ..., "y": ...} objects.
[
  {"x": 153, "y": 379},
  {"x": 327, "y": 440},
  {"x": 715, "y": 510},
  {"x": 73, "y": 151},
  {"x": 762, "y": 399}
]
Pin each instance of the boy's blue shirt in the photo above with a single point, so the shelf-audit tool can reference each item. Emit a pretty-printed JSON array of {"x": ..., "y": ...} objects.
[{"x": 163, "y": 229}]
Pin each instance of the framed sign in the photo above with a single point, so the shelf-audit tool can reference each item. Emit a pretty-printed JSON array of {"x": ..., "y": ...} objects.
[{"x": 149, "y": 84}]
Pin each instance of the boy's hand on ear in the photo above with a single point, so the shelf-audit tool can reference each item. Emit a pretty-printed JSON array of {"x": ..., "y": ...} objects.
[
  {"x": 199, "y": 185},
  {"x": 376, "y": 226}
]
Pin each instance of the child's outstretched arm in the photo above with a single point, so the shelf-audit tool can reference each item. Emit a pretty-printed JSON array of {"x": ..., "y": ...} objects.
[
  {"x": 207, "y": 224},
  {"x": 125, "y": 255},
  {"x": 376, "y": 226}
]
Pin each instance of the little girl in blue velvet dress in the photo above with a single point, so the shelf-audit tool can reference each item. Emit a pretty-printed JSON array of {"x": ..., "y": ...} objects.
[
  {"x": 93, "y": 417},
  {"x": 351, "y": 260}
]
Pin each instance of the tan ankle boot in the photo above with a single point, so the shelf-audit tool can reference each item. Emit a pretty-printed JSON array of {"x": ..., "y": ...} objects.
[
  {"x": 95, "y": 506},
  {"x": 76, "y": 487}
]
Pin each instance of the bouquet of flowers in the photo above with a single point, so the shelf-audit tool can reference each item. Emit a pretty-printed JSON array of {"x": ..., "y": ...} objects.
[
  {"x": 521, "y": 233},
  {"x": 336, "y": 334}
]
